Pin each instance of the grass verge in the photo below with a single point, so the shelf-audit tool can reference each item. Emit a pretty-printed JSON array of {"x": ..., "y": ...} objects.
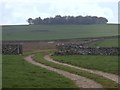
[{"x": 103, "y": 81}]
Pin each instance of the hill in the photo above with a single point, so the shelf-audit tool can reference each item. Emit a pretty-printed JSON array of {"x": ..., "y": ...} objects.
[{"x": 54, "y": 32}]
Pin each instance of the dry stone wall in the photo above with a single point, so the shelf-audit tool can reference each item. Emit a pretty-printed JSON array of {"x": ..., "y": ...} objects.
[
  {"x": 11, "y": 49},
  {"x": 71, "y": 49}
]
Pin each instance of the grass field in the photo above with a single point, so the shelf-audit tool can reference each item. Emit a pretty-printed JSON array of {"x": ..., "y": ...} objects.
[
  {"x": 103, "y": 81},
  {"x": 53, "y": 32},
  {"x": 0, "y": 71},
  {"x": 108, "y": 43},
  {"x": 18, "y": 73},
  {"x": 103, "y": 63}
]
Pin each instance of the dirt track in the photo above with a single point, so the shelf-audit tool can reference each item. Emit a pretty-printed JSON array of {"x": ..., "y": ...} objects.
[
  {"x": 80, "y": 81},
  {"x": 104, "y": 74}
]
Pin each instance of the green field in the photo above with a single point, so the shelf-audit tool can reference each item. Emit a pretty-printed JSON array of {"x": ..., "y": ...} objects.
[
  {"x": 106, "y": 83},
  {"x": 18, "y": 73},
  {"x": 53, "y": 32},
  {"x": 108, "y": 43},
  {"x": 0, "y": 71},
  {"x": 103, "y": 63}
]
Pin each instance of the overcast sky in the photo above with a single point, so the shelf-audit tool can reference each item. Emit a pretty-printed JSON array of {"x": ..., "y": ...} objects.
[{"x": 18, "y": 11}]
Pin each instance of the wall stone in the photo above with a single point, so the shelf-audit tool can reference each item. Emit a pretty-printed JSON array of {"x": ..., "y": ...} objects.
[
  {"x": 11, "y": 49},
  {"x": 71, "y": 49}
]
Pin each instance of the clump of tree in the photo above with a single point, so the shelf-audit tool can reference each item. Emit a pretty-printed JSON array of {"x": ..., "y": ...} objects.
[{"x": 58, "y": 19}]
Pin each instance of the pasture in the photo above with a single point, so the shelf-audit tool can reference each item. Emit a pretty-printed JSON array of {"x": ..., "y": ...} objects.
[
  {"x": 17, "y": 73},
  {"x": 102, "y": 63},
  {"x": 103, "y": 81},
  {"x": 54, "y": 32},
  {"x": 108, "y": 43},
  {"x": 0, "y": 71},
  {"x": 16, "y": 70}
]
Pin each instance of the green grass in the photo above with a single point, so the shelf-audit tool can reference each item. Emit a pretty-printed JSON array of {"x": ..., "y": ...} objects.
[
  {"x": 53, "y": 32},
  {"x": 0, "y": 33},
  {"x": 17, "y": 73},
  {"x": 102, "y": 63},
  {"x": 0, "y": 71},
  {"x": 103, "y": 81},
  {"x": 108, "y": 43}
]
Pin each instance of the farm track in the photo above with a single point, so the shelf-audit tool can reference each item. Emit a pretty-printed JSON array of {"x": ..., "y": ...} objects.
[
  {"x": 80, "y": 81},
  {"x": 110, "y": 76}
]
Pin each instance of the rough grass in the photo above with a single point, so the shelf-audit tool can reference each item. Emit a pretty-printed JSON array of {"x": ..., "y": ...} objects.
[
  {"x": 102, "y": 63},
  {"x": 0, "y": 71},
  {"x": 103, "y": 81},
  {"x": 108, "y": 43},
  {"x": 18, "y": 73},
  {"x": 53, "y": 32}
]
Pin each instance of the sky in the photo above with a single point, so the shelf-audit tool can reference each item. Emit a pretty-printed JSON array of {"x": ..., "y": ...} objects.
[{"x": 18, "y": 11}]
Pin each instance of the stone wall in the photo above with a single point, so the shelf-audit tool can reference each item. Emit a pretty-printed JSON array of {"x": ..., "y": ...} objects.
[
  {"x": 11, "y": 49},
  {"x": 71, "y": 49}
]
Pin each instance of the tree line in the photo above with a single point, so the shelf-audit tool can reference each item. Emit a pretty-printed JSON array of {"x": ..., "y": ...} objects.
[{"x": 58, "y": 19}]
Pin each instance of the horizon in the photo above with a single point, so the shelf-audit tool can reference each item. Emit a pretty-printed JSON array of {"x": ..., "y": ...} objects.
[{"x": 56, "y": 24}]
